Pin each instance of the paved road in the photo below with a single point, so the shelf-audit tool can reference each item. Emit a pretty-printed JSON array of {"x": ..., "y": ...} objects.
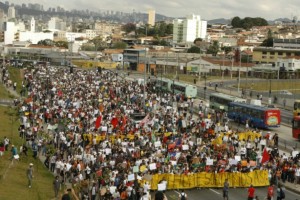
[{"x": 234, "y": 194}]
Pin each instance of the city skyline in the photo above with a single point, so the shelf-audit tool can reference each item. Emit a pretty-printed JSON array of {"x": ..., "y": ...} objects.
[{"x": 207, "y": 9}]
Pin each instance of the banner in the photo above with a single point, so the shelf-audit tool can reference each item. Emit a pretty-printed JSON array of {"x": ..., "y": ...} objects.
[{"x": 207, "y": 180}]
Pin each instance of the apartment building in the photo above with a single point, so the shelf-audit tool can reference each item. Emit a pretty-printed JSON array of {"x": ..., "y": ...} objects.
[
  {"x": 151, "y": 17},
  {"x": 188, "y": 29},
  {"x": 104, "y": 28},
  {"x": 271, "y": 54}
]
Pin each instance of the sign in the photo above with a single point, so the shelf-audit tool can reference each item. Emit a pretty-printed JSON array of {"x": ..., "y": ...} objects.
[
  {"x": 209, "y": 161},
  {"x": 135, "y": 169},
  {"x": 185, "y": 147},
  {"x": 233, "y": 162},
  {"x": 152, "y": 166},
  {"x": 112, "y": 189},
  {"x": 161, "y": 187},
  {"x": 130, "y": 177},
  {"x": 238, "y": 158}
]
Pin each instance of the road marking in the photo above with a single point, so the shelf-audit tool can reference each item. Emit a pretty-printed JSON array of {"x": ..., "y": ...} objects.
[
  {"x": 176, "y": 192},
  {"x": 214, "y": 191}
]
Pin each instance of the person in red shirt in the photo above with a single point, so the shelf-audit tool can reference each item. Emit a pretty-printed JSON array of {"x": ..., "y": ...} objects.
[
  {"x": 270, "y": 192},
  {"x": 251, "y": 191}
]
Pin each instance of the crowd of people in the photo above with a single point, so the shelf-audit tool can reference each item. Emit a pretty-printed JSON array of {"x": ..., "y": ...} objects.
[{"x": 83, "y": 124}]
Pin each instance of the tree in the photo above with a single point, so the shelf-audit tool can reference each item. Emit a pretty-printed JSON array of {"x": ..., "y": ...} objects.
[
  {"x": 214, "y": 48},
  {"x": 248, "y": 22},
  {"x": 61, "y": 44},
  {"x": 129, "y": 27},
  {"x": 119, "y": 45},
  {"x": 99, "y": 43},
  {"x": 269, "y": 41},
  {"x": 236, "y": 22},
  {"x": 198, "y": 41},
  {"x": 226, "y": 49},
  {"x": 46, "y": 42},
  {"x": 194, "y": 49}
]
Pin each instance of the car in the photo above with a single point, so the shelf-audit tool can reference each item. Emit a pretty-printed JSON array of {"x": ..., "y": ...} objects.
[{"x": 285, "y": 92}]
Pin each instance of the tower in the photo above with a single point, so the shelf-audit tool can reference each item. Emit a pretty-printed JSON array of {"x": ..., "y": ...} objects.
[
  {"x": 151, "y": 17},
  {"x": 11, "y": 13},
  {"x": 32, "y": 25}
]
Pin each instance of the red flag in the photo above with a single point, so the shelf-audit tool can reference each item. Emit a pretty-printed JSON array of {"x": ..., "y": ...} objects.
[
  {"x": 123, "y": 122},
  {"x": 265, "y": 156},
  {"x": 98, "y": 122},
  {"x": 114, "y": 122}
]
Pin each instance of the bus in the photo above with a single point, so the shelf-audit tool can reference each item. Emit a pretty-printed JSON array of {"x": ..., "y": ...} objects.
[
  {"x": 220, "y": 101},
  {"x": 189, "y": 91},
  {"x": 296, "y": 127},
  {"x": 257, "y": 116},
  {"x": 163, "y": 84},
  {"x": 296, "y": 110}
]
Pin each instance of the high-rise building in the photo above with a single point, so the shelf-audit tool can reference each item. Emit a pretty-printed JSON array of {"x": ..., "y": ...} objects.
[
  {"x": 151, "y": 17},
  {"x": 187, "y": 30},
  {"x": 11, "y": 13},
  {"x": 32, "y": 25},
  {"x": 56, "y": 23}
]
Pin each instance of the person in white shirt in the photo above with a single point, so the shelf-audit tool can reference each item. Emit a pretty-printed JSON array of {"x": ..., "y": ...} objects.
[{"x": 297, "y": 175}]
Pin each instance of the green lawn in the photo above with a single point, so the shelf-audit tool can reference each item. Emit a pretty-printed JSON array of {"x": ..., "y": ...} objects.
[
  {"x": 16, "y": 76},
  {"x": 290, "y": 85},
  {"x": 13, "y": 177},
  {"x": 4, "y": 94},
  {"x": 14, "y": 181},
  {"x": 190, "y": 78}
]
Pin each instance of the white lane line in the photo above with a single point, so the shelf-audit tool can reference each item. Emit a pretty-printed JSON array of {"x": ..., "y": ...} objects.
[
  {"x": 215, "y": 191},
  {"x": 176, "y": 191}
]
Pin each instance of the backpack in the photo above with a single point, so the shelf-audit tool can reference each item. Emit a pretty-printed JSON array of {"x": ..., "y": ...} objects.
[
  {"x": 182, "y": 196},
  {"x": 282, "y": 194}
]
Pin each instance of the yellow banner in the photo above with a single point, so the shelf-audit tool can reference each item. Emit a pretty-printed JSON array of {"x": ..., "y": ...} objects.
[
  {"x": 206, "y": 180},
  {"x": 241, "y": 136}
]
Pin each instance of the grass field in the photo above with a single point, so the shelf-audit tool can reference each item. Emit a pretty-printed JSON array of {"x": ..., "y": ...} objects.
[
  {"x": 190, "y": 78},
  {"x": 290, "y": 85},
  {"x": 13, "y": 176},
  {"x": 16, "y": 76},
  {"x": 4, "y": 94}
]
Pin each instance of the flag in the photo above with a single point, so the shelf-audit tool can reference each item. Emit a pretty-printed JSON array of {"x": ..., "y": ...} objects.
[
  {"x": 98, "y": 122},
  {"x": 265, "y": 156},
  {"x": 124, "y": 121},
  {"x": 114, "y": 122},
  {"x": 144, "y": 121}
]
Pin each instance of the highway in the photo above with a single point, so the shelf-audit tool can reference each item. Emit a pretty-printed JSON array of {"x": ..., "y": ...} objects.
[{"x": 234, "y": 194}]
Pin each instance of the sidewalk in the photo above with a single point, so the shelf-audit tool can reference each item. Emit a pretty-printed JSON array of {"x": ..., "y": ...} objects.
[{"x": 291, "y": 186}]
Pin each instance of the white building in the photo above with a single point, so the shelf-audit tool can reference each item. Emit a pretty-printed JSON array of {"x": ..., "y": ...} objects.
[
  {"x": 90, "y": 33},
  {"x": 56, "y": 23},
  {"x": 11, "y": 13},
  {"x": 10, "y": 31},
  {"x": 151, "y": 17},
  {"x": 32, "y": 25},
  {"x": 187, "y": 30},
  {"x": 35, "y": 37}
]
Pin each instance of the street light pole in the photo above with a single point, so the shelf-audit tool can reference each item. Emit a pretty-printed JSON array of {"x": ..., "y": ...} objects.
[
  {"x": 204, "y": 87},
  {"x": 270, "y": 88}
]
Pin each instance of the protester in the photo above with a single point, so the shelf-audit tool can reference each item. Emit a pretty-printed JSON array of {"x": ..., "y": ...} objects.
[
  {"x": 83, "y": 123},
  {"x": 251, "y": 191},
  {"x": 225, "y": 190},
  {"x": 270, "y": 194},
  {"x": 56, "y": 186},
  {"x": 29, "y": 174}
]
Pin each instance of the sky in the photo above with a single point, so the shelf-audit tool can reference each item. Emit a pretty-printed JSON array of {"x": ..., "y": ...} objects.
[{"x": 208, "y": 9}]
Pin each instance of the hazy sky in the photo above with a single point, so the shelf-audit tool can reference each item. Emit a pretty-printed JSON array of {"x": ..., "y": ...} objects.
[{"x": 208, "y": 9}]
